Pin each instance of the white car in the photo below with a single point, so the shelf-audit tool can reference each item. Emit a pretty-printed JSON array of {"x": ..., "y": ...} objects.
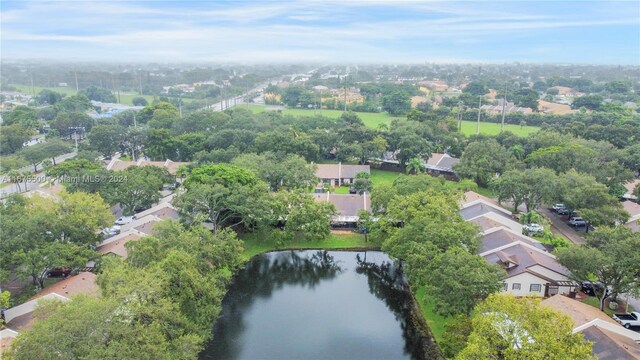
[
  {"x": 533, "y": 228},
  {"x": 124, "y": 220}
]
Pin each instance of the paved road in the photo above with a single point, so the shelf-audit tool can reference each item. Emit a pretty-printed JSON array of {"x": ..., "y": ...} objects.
[
  {"x": 559, "y": 227},
  {"x": 37, "y": 180}
]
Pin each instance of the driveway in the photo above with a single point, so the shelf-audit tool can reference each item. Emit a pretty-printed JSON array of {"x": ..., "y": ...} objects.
[{"x": 559, "y": 227}]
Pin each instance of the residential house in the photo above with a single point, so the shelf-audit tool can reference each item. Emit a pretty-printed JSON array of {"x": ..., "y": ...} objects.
[
  {"x": 339, "y": 174},
  {"x": 633, "y": 209},
  {"x": 20, "y": 318},
  {"x": 144, "y": 224},
  {"x": 164, "y": 210},
  {"x": 442, "y": 164},
  {"x": 630, "y": 186},
  {"x": 477, "y": 208},
  {"x": 611, "y": 341},
  {"x": 116, "y": 244},
  {"x": 530, "y": 269},
  {"x": 171, "y": 166},
  {"x": 348, "y": 206}
]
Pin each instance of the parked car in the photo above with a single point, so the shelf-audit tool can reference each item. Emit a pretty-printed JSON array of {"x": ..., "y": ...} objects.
[
  {"x": 124, "y": 220},
  {"x": 577, "y": 221},
  {"x": 111, "y": 231},
  {"x": 59, "y": 272},
  {"x": 533, "y": 228},
  {"x": 593, "y": 288},
  {"x": 628, "y": 320},
  {"x": 562, "y": 211},
  {"x": 557, "y": 207}
]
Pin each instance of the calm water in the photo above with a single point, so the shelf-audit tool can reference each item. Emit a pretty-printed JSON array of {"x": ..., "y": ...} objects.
[{"x": 318, "y": 305}]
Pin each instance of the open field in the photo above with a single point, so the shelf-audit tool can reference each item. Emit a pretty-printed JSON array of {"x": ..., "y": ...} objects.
[
  {"x": 125, "y": 97},
  {"x": 486, "y": 128},
  {"x": 374, "y": 120},
  {"x": 67, "y": 90}
]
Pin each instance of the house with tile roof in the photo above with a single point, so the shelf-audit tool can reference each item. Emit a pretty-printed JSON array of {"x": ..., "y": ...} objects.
[
  {"x": 116, "y": 245},
  {"x": 441, "y": 164},
  {"x": 348, "y": 206},
  {"x": 633, "y": 209},
  {"x": 611, "y": 341},
  {"x": 171, "y": 166},
  {"x": 530, "y": 268},
  {"x": 20, "y": 318},
  {"x": 339, "y": 174}
]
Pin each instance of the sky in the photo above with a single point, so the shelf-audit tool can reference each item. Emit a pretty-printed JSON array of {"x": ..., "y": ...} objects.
[{"x": 360, "y": 31}]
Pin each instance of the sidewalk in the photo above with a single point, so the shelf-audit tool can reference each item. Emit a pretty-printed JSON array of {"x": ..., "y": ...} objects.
[{"x": 559, "y": 227}]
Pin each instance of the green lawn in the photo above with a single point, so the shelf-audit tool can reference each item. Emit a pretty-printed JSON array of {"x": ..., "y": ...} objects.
[
  {"x": 593, "y": 301},
  {"x": 435, "y": 321},
  {"x": 255, "y": 244},
  {"x": 341, "y": 190},
  {"x": 125, "y": 97},
  {"x": 381, "y": 177},
  {"x": 374, "y": 120},
  {"x": 486, "y": 128},
  {"x": 67, "y": 90}
]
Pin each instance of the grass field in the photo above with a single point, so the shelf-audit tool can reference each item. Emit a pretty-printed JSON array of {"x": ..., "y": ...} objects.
[
  {"x": 374, "y": 120},
  {"x": 435, "y": 321},
  {"x": 125, "y": 97},
  {"x": 380, "y": 177},
  {"x": 470, "y": 128}
]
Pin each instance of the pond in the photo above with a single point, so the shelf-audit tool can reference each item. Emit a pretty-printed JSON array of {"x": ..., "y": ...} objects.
[{"x": 316, "y": 304}]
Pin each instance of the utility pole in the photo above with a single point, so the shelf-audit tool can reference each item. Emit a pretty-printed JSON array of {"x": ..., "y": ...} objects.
[
  {"x": 460, "y": 110},
  {"x": 140, "y": 83},
  {"x": 504, "y": 104},
  {"x": 479, "y": 105}
]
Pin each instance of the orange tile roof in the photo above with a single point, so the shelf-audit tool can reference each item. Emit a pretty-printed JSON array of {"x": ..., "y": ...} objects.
[
  {"x": 579, "y": 312},
  {"x": 118, "y": 247},
  {"x": 83, "y": 283}
]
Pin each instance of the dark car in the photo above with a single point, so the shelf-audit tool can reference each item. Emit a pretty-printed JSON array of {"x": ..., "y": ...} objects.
[
  {"x": 59, "y": 272},
  {"x": 593, "y": 288}
]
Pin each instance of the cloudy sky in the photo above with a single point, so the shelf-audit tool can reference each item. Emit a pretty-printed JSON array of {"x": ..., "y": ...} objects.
[{"x": 323, "y": 31}]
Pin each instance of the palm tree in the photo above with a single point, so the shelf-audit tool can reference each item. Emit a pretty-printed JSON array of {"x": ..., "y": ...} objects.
[
  {"x": 517, "y": 151},
  {"x": 414, "y": 165}
]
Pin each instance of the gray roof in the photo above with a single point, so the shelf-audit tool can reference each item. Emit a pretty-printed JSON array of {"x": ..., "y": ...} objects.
[
  {"x": 342, "y": 171},
  {"x": 346, "y": 204},
  {"x": 478, "y": 209},
  {"x": 525, "y": 258},
  {"x": 606, "y": 348},
  {"x": 503, "y": 237}
]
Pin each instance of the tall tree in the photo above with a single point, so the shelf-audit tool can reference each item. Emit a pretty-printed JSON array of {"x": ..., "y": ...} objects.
[
  {"x": 508, "y": 328},
  {"x": 106, "y": 139},
  {"x": 610, "y": 257}
]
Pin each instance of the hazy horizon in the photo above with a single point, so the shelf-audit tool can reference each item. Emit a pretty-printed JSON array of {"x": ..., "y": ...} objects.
[{"x": 361, "y": 32}]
